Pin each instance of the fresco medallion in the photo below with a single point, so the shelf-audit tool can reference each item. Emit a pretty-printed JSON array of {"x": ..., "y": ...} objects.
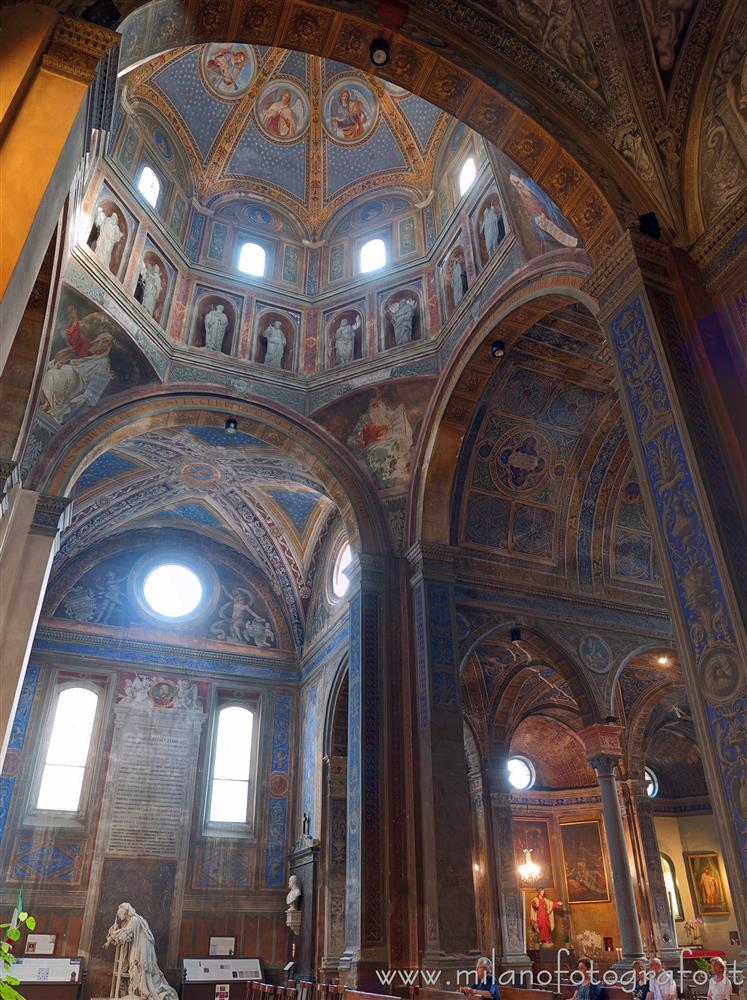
[
  {"x": 350, "y": 110},
  {"x": 282, "y": 111},
  {"x": 228, "y": 68}
]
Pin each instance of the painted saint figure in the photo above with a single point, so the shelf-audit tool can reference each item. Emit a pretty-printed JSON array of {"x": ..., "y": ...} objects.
[
  {"x": 345, "y": 340},
  {"x": 216, "y": 322},
  {"x": 136, "y": 953},
  {"x": 403, "y": 314},
  {"x": 548, "y": 222},
  {"x": 71, "y": 381},
  {"x": 490, "y": 228},
  {"x": 350, "y": 114},
  {"x": 709, "y": 887},
  {"x": 543, "y": 918},
  {"x": 109, "y": 235},
  {"x": 282, "y": 118},
  {"x": 383, "y": 437},
  {"x": 225, "y": 66},
  {"x": 276, "y": 342}
]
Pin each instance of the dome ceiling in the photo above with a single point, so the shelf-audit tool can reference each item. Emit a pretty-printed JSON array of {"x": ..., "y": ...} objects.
[{"x": 305, "y": 133}]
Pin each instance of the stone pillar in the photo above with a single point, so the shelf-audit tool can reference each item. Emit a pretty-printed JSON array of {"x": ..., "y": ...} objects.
[
  {"x": 690, "y": 496},
  {"x": 604, "y": 750},
  {"x": 333, "y": 874},
  {"x": 47, "y": 62},
  {"x": 366, "y": 864},
  {"x": 30, "y": 528},
  {"x": 510, "y": 899},
  {"x": 651, "y": 876},
  {"x": 449, "y": 935}
]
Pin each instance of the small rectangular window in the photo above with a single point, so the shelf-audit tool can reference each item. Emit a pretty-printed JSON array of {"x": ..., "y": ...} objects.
[
  {"x": 68, "y": 750},
  {"x": 233, "y": 765}
]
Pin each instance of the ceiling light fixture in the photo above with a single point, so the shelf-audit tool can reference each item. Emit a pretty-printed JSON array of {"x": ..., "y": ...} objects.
[
  {"x": 663, "y": 661},
  {"x": 498, "y": 348},
  {"x": 379, "y": 52},
  {"x": 232, "y": 425}
]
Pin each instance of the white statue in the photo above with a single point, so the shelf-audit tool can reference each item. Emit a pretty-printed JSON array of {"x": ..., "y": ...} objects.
[
  {"x": 345, "y": 340},
  {"x": 109, "y": 235},
  {"x": 457, "y": 283},
  {"x": 403, "y": 314},
  {"x": 275, "y": 344},
  {"x": 136, "y": 958},
  {"x": 294, "y": 894},
  {"x": 216, "y": 322},
  {"x": 151, "y": 275},
  {"x": 489, "y": 229}
]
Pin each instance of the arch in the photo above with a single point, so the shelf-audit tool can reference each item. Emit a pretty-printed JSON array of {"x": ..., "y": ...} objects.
[
  {"x": 644, "y": 647},
  {"x": 74, "y": 449},
  {"x": 638, "y": 736},
  {"x": 450, "y": 83},
  {"x": 333, "y": 696},
  {"x": 461, "y": 385}
]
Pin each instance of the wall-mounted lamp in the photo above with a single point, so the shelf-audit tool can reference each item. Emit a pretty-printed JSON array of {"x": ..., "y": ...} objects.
[
  {"x": 232, "y": 425},
  {"x": 379, "y": 52},
  {"x": 498, "y": 348}
]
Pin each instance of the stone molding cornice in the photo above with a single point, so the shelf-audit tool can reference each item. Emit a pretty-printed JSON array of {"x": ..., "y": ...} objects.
[
  {"x": 630, "y": 259},
  {"x": 51, "y": 515},
  {"x": 76, "y": 48},
  {"x": 9, "y": 477},
  {"x": 433, "y": 561},
  {"x": 721, "y": 251}
]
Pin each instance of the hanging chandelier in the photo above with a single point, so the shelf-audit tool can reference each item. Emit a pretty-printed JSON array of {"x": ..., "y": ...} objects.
[{"x": 529, "y": 871}]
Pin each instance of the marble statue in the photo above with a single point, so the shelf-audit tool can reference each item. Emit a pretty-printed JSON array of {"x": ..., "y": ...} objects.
[
  {"x": 457, "y": 281},
  {"x": 275, "y": 344},
  {"x": 152, "y": 285},
  {"x": 403, "y": 314},
  {"x": 294, "y": 893},
  {"x": 109, "y": 235},
  {"x": 135, "y": 962},
  {"x": 216, "y": 322},
  {"x": 489, "y": 229},
  {"x": 345, "y": 340}
]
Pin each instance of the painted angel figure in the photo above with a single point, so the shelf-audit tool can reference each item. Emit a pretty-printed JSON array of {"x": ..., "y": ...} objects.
[{"x": 284, "y": 117}]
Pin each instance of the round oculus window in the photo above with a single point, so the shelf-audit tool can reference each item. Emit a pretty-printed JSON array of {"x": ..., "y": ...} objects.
[
  {"x": 340, "y": 580},
  {"x": 520, "y": 773},
  {"x": 172, "y": 590}
]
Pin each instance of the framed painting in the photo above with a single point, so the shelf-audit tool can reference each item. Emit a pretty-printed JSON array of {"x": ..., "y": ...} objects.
[
  {"x": 534, "y": 835},
  {"x": 707, "y": 888},
  {"x": 583, "y": 860}
]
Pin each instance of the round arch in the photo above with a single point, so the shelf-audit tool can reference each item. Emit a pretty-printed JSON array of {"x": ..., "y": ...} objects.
[
  {"x": 431, "y": 67},
  {"x": 72, "y": 451},
  {"x": 461, "y": 386},
  {"x": 333, "y": 697},
  {"x": 614, "y": 679}
]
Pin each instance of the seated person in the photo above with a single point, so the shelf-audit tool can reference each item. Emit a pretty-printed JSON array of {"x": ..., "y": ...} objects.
[{"x": 485, "y": 986}]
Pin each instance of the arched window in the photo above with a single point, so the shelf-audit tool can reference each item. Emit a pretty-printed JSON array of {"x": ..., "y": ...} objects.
[
  {"x": 67, "y": 751},
  {"x": 652, "y": 783},
  {"x": 149, "y": 185},
  {"x": 340, "y": 580},
  {"x": 467, "y": 175},
  {"x": 252, "y": 259},
  {"x": 670, "y": 884},
  {"x": 520, "y": 773},
  {"x": 373, "y": 255},
  {"x": 232, "y": 766}
]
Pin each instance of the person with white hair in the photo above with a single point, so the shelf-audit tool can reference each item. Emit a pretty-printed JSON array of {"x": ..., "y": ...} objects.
[
  {"x": 660, "y": 982},
  {"x": 485, "y": 985},
  {"x": 719, "y": 987}
]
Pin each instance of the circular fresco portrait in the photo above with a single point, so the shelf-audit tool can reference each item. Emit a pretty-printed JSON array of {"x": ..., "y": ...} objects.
[
  {"x": 163, "y": 144},
  {"x": 282, "y": 111},
  {"x": 350, "y": 110},
  {"x": 228, "y": 68}
]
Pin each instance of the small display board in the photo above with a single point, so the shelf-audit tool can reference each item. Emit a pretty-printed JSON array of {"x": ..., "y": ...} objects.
[
  {"x": 221, "y": 970},
  {"x": 47, "y": 970}
]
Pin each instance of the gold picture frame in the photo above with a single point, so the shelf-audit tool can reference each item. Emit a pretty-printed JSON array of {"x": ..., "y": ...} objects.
[
  {"x": 705, "y": 875},
  {"x": 583, "y": 862}
]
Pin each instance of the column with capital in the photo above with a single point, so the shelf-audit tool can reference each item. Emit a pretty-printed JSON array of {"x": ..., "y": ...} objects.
[
  {"x": 604, "y": 751},
  {"x": 30, "y": 527},
  {"x": 449, "y": 932},
  {"x": 696, "y": 510},
  {"x": 651, "y": 875}
]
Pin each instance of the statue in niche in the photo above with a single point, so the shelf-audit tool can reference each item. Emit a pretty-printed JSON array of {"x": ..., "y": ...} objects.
[
  {"x": 345, "y": 340},
  {"x": 135, "y": 966},
  {"x": 403, "y": 315},
  {"x": 149, "y": 287},
  {"x": 490, "y": 228},
  {"x": 216, "y": 323},
  {"x": 239, "y": 623},
  {"x": 109, "y": 234},
  {"x": 276, "y": 342},
  {"x": 458, "y": 281},
  {"x": 543, "y": 918}
]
